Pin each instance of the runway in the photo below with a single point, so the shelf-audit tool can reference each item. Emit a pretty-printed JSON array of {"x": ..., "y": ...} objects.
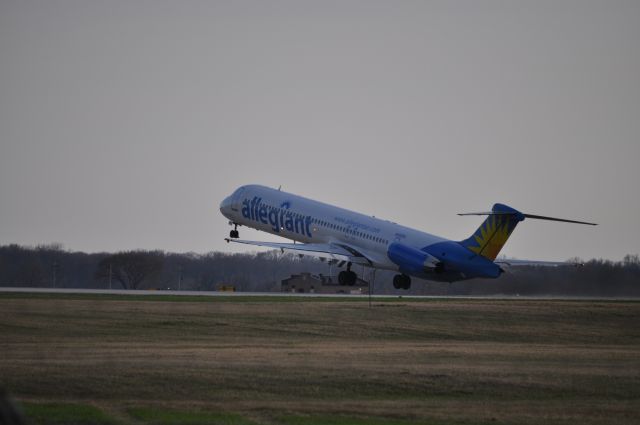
[{"x": 144, "y": 292}]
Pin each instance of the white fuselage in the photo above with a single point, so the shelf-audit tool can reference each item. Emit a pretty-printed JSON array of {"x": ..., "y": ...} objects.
[{"x": 305, "y": 220}]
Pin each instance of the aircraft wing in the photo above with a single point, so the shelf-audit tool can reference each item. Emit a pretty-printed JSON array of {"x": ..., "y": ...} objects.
[
  {"x": 332, "y": 251},
  {"x": 521, "y": 263}
]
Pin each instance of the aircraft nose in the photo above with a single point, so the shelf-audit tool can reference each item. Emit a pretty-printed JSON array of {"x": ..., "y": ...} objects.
[{"x": 225, "y": 206}]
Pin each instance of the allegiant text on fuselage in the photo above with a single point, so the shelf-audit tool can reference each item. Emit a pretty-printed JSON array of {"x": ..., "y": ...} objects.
[{"x": 278, "y": 218}]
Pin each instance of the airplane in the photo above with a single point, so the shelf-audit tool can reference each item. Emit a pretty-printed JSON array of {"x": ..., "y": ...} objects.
[{"x": 346, "y": 237}]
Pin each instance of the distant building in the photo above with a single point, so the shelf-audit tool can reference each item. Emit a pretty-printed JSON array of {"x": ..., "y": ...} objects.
[{"x": 320, "y": 284}]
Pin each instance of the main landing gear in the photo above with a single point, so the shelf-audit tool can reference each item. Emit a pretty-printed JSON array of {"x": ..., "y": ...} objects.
[
  {"x": 347, "y": 277},
  {"x": 234, "y": 234},
  {"x": 401, "y": 281}
]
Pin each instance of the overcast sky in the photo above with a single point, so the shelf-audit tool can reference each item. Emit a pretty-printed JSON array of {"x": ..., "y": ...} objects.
[{"x": 123, "y": 124}]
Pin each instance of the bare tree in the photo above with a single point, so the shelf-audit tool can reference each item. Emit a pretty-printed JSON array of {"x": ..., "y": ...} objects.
[{"x": 131, "y": 268}]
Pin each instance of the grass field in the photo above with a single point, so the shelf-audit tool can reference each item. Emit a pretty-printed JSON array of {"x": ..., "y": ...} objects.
[{"x": 115, "y": 360}]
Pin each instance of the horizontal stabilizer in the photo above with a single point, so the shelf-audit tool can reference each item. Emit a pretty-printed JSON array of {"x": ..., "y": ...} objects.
[
  {"x": 537, "y": 217},
  {"x": 489, "y": 213},
  {"x": 541, "y": 217}
]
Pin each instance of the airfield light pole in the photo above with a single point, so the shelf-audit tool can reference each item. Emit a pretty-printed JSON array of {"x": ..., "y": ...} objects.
[
  {"x": 371, "y": 282},
  {"x": 180, "y": 278},
  {"x": 110, "y": 274}
]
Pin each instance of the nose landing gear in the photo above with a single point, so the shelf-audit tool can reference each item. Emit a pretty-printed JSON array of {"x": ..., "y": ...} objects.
[{"x": 234, "y": 234}]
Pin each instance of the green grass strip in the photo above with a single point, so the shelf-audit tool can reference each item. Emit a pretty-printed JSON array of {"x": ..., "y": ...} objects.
[
  {"x": 167, "y": 417},
  {"x": 346, "y": 420},
  {"x": 65, "y": 413}
]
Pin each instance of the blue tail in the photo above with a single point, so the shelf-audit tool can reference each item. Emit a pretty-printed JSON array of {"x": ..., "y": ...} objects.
[{"x": 491, "y": 236}]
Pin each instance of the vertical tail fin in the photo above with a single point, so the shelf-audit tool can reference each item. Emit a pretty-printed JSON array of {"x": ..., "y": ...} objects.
[{"x": 491, "y": 236}]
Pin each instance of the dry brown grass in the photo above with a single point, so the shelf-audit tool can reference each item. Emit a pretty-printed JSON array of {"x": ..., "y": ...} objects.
[{"x": 469, "y": 361}]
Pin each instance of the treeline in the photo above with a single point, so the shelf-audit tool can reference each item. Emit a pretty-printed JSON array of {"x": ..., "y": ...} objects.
[
  {"x": 53, "y": 266},
  {"x": 595, "y": 278}
]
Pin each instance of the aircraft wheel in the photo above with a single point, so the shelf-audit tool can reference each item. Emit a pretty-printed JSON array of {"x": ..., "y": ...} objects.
[
  {"x": 343, "y": 277},
  {"x": 401, "y": 281},
  {"x": 397, "y": 282},
  {"x": 407, "y": 282},
  {"x": 234, "y": 234},
  {"x": 352, "y": 278}
]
